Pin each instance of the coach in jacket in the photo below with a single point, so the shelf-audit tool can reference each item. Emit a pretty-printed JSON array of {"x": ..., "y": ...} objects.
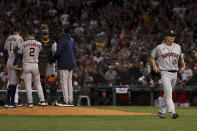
[{"x": 65, "y": 63}]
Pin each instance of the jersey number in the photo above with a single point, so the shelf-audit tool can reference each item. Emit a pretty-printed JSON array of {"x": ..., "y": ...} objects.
[{"x": 32, "y": 50}]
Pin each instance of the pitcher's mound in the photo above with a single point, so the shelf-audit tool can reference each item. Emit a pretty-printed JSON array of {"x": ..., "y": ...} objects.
[{"x": 65, "y": 111}]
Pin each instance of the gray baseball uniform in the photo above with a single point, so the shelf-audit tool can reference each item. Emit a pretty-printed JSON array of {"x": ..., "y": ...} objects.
[
  {"x": 11, "y": 45},
  {"x": 167, "y": 58},
  {"x": 30, "y": 50},
  {"x": 13, "y": 42}
]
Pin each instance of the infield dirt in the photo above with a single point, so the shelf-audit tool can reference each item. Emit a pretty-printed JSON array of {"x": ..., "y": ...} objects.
[{"x": 65, "y": 111}]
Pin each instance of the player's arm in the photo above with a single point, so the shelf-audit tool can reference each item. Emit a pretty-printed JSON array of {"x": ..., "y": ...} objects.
[
  {"x": 59, "y": 50},
  {"x": 5, "y": 55},
  {"x": 73, "y": 45},
  {"x": 54, "y": 47},
  {"x": 18, "y": 56},
  {"x": 5, "y": 52},
  {"x": 152, "y": 60},
  {"x": 153, "y": 63},
  {"x": 51, "y": 58},
  {"x": 182, "y": 62}
]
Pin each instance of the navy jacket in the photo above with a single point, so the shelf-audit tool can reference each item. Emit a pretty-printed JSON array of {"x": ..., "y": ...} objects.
[{"x": 65, "y": 53}]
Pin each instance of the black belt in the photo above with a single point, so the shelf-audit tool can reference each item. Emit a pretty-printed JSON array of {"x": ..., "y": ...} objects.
[
  {"x": 31, "y": 62},
  {"x": 172, "y": 71}
]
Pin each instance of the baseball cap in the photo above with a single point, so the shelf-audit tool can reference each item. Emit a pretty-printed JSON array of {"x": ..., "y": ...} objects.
[
  {"x": 30, "y": 31},
  {"x": 170, "y": 33},
  {"x": 59, "y": 29},
  {"x": 67, "y": 28},
  {"x": 16, "y": 28}
]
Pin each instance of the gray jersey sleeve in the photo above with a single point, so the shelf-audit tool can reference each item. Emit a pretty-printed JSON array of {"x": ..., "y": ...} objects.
[
  {"x": 181, "y": 54},
  {"x": 154, "y": 53},
  {"x": 6, "y": 44},
  {"x": 54, "y": 47}
]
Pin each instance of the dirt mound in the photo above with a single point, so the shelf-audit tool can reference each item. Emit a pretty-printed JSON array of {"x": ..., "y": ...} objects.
[{"x": 64, "y": 111}]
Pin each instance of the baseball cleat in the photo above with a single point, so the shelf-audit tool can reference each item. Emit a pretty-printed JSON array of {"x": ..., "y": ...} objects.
[
  {"x": 71, "y": 104},
  {"x": 9, "y": 106},
  {"x": 65, "y": 104},
  {"x": 43, "y": 103},
  {"x": 56, "y": 104},
  {"x": 6, "y": 105},
  {"x": 161, "y": 115},
  {"x": 18, "y": 105},
  {"x": 59, "y": 104},
  {"x": 30, "y": 105},
  {"x": 174, "y": 115}
]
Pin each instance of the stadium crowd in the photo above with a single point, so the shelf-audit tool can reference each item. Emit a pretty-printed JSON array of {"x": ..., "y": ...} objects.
[{"x": 113, "y": 38}]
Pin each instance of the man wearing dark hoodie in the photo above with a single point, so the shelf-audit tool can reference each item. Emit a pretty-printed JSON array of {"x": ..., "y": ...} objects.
[{"x": 65, "y": 63}]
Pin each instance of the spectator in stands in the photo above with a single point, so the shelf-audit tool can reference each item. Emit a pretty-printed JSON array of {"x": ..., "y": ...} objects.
[
  {"x": 123, "y": 75},
  {"x": 111, "y": 76},
  {"x": 187, "y": 74}
]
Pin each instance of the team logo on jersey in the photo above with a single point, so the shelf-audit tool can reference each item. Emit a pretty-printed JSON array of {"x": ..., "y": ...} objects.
[
  {"x": 170, "y": 54},
  {"x": 11, "y": 39}
]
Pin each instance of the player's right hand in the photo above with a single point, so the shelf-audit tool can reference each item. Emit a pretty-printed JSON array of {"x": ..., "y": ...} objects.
[{"x": 156, "y": 69}]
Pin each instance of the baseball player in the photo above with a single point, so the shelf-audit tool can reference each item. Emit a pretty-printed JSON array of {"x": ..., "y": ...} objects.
[
  {"x": 29, "y": 51},
  {"x": 11, "y": 46},
  {"x": 46, "y": 67},
  {"x": 165, "y": 58},
  {"x": 65, "y": 63}
]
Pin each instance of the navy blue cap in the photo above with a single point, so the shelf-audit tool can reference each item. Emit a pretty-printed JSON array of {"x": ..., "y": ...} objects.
[
  {"x": 30, "y": 31},
  {"x": 67, "y": 28},
  {"x": 16, "y": 28},
  {"x": 59, "y": 29},
  {"x": 170, "y": 33}
]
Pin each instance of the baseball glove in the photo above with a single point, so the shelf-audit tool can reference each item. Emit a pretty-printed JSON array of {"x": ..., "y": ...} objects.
[
  {"x": 155, "y": 76},
  {"x": 50, "y": 58}
]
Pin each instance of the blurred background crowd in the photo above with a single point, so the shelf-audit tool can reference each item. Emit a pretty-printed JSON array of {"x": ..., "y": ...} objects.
[{"x": 114, "y": 38}]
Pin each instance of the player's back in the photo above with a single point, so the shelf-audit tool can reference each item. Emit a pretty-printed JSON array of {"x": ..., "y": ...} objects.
[
  {"x": 12, "y": 42},
  {"x": 30, "y": 51}
]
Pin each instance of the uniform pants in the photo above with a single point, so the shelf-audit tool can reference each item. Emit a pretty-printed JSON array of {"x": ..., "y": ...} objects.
[
  {"x": 168, "y": 80},
  {"x": 31, "y": 74},
  {"x": 13, "y": 81},
  {"x": 66, "y": 84},
  {"x": 12, "y": 75}
]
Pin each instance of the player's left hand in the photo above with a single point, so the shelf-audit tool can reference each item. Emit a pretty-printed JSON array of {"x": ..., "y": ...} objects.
[
  {"x": 181, "y": 70},
  {"x": 16, "y": 67}
]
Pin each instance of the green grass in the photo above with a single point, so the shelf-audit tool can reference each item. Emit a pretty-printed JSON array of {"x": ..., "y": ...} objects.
[{"x": 186, "y": 122}]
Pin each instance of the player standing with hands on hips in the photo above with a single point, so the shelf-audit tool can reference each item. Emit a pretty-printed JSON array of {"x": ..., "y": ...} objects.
[
  {"x": 164, "y": 59},
  {"x": 10, "y": 49},
  {"x": 29, "y": 52},
  {"x": 65, "y": 63}
]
